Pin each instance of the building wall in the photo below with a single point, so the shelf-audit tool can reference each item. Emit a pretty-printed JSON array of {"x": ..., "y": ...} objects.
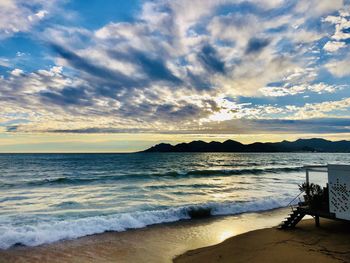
[{"x": 339, "y": 190}]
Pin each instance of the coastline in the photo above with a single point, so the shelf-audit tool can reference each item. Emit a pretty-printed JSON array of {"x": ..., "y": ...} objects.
[
  {"x": 307, "y": 243},
  {"x": 158, "y": 243}
]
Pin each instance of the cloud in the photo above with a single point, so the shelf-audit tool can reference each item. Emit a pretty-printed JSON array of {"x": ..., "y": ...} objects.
[
  {"x": 280, "y": 126},
  {"x": 322, "y": 109},
  {"x": 66, "y": 97},
  {"x": 255, "y": 45},
  {"x": 339, "y": 68},
  {"x": 319, "y": 88},
  {"x": 341, "y": 24},
  {"x": 210, "y": 60},
  {"x": 314, "y": 125},
  {"x": 153, "y": 67},
  {"x": 17, "y": 72},
  {"x": 189, "y": 53},
  {"x": 341, "y": 33},
  {"x": 11, "y": 128},
  {"x": 39, "y": 15},
  {"x": 21, "y": 16},
  {"x": 20, "y": 84},
  {"x": 93, "y": 70},
  {"x": 181, "y": 66},
  {"x": 318, "y": 8},
  {"x": 4, "y": 62},
  {"x": 101, "y": 130},
  {"x": 332, "y": 46},
  {"x": 233, "y": 111},
  {"x": 242, "y": 126}
]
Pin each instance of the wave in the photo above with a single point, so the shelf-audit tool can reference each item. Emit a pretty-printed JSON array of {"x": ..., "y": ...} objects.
[
  {"x": 42, "y": 233},
  {"x": 173, "y": 174},
  {"x": 68, "y": 205},
  {"x": 246, "y": 171}
]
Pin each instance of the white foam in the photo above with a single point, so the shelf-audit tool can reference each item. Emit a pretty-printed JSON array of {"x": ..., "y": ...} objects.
[{"x": 43, "y": 233}]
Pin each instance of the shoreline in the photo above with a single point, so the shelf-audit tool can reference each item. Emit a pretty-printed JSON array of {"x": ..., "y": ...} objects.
[
  {"x": 307, "y": 243},
  {"x": 156, "y": 243}
]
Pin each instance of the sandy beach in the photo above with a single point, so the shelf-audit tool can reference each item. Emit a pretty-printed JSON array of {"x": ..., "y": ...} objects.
[
  {"x": 329, "y": 243},
  {"x": 156, "y": 244},
  {"x": 250, "y": 237}
]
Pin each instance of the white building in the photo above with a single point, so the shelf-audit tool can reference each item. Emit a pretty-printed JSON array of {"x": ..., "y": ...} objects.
[
  {"x": 339, "y": 190},
  {"x": 326, "y": 194}
]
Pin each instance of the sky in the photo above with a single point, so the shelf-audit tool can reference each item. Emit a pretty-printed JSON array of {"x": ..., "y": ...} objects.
[{"x": 120, "y": 76}]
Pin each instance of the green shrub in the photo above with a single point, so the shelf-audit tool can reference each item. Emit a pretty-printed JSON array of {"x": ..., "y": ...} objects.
[{"x": 314, "y": 195}]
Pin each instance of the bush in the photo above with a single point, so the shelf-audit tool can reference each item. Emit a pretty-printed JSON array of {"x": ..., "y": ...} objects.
[{"x": 314, "y": 195}]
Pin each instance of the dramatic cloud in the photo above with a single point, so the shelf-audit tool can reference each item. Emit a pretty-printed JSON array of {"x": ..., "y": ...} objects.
[{"x": 180, "y": 66}]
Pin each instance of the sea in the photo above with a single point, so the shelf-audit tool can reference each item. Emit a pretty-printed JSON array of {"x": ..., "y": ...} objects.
[{"x": 50, "y": 197}]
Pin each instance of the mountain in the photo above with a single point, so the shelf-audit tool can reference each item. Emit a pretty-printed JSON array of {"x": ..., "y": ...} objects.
[{"x": 300, "y": 145}]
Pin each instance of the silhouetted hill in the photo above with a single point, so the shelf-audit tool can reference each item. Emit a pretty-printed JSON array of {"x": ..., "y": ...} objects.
[{"x": 300, "y": 145}]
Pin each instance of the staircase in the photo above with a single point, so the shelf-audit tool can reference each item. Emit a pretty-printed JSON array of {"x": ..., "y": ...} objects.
[
  {"x": 297, "y": 214},
  {"x": 293, "y": 219}
]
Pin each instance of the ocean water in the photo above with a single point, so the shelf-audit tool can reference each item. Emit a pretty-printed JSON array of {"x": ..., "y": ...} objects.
[{"x": 50, "y": 197}]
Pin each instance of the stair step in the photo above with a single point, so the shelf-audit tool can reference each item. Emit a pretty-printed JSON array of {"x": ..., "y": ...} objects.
[{"x": 293, "y": 218}]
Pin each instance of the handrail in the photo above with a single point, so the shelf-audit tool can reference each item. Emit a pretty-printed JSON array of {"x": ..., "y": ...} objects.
[
  {"x": 315, "y": 166},
  {"x": 290, "y": 203}
]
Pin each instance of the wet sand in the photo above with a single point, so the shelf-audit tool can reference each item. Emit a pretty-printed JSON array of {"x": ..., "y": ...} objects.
[
  {"x": 307, "y": 243},
  {"x": 159, "y": 243}
]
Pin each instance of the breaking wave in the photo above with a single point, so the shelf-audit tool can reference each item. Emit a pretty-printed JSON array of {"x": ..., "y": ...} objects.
[{"x": 48, "y": 232}]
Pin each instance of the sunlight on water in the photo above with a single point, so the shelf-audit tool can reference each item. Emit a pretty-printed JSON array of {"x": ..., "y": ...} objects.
[{"x": 225, "y": 235}]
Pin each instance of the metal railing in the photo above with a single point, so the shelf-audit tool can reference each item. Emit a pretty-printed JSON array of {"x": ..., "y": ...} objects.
[{"x": 291, "y": 205}]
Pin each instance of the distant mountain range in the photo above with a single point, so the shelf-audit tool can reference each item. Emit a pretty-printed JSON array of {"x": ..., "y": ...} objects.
[{"x": 301, "y": 145}]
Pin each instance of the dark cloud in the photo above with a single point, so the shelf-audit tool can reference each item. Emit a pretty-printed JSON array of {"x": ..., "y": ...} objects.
[
  {"x": 317, "y": 125},
  {"x": 13, "y": 125},
  {"x": 210, "y": 59},
  {"x": 346, "y": 30},
  {"x": 237, "y": 126},
  {"x": 147, "y": 112},
  {"x": 155, "y": 68},
  {"x": 66, "y": 97},
  {"x": 198, "y": 82},
  {"x": 152, "y": 66},
  {"x": 108, "y": 83},
  {"x": 143, "y": 110},
  {"x": 172, "y": 112},
  {"x": 101, "y": 130},
  {"x": 256, "y": 45},
  {"x": 12, "y": 128},
  {"x": 105, "y": 75}
]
